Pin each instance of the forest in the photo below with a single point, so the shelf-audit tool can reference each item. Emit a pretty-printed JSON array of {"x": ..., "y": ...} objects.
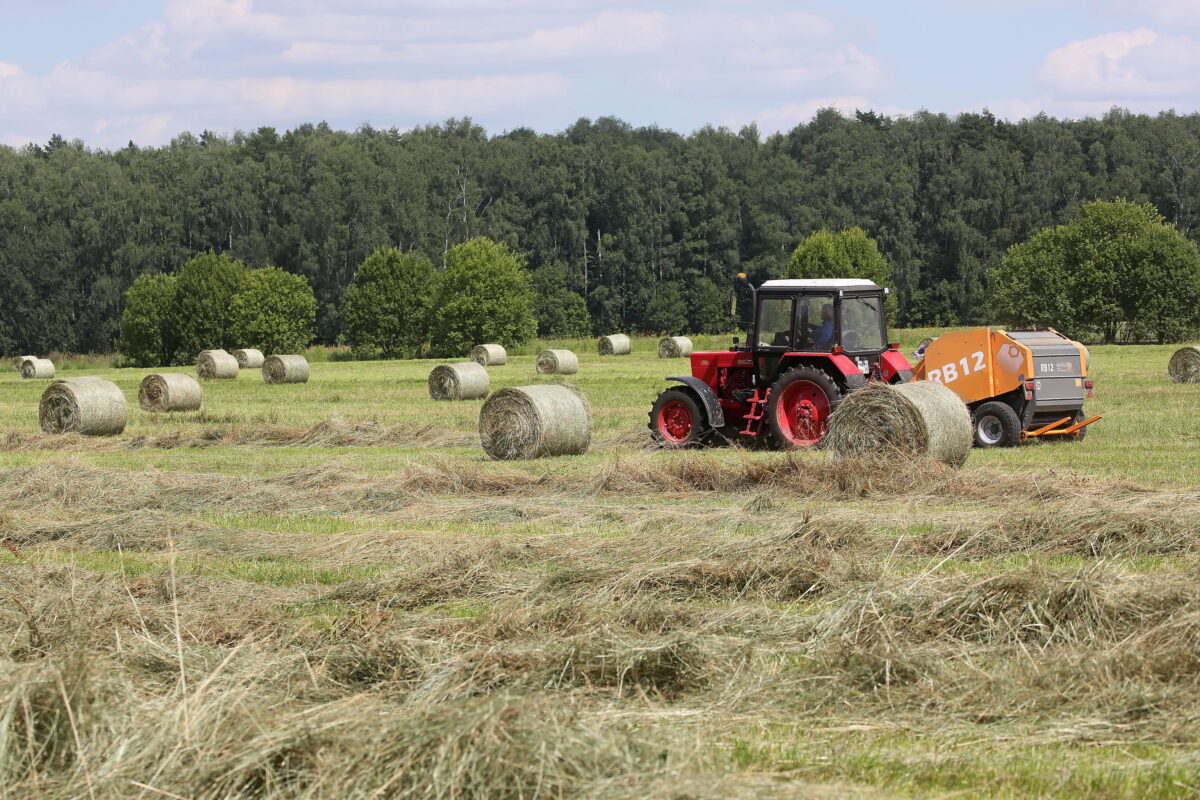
[{"x": 641, "y": 226}]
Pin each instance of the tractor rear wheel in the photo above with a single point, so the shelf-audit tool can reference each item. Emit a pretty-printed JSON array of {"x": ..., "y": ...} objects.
[
  {"x": 802, "y": 400},
  {"x": 676, "y": 420},
  {"x": 996, "y": 425}
]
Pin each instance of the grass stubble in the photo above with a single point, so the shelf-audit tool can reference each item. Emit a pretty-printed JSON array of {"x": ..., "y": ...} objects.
[{"x": 677, "y": 625}]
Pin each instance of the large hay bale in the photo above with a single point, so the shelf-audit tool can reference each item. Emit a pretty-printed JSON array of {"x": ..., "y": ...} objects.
[
  {"x": 557, "y": 362},
  {"x": 489, "y": 355},
  {"x": 19, "y": 362},
  {"x": 1185, "y": 365},
  {"x": 216, "y": 364},
  {"x": 249, "y": 358},
  {"x": 170, "y": 391},
  {"x": 467, "y": 380},
  {"x": 90, "y": 406},
  {"x": 617, "y": 344},
  {"x": 921, "y": 418},
  {"x": 285, "y": 369},
  {"x": 40, "y": 368},
  {"x": 535, "y": 421},
  {"x": 675, "y": 347}
]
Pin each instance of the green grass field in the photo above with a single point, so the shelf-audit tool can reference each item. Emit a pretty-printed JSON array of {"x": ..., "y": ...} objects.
[{"x": 327, "y": 590}]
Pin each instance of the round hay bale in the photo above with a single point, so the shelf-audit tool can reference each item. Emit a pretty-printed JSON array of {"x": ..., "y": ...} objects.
[
  {"x": 90, "y": 406},
  {"x": 535, "y": 421},
  {"x": 464, "y": 381},
  {"x": 557, "y": 362},
  {"x": 616, "y": 344},
  {"x": 216, "y": 364},
  {"x": 489, "y": 355},
  {"x": 285, "y": 369},
  {"x": 170, "y": 391},
  {"x": 40, "y": 368},
  {"x": 1185, "y": 365},
  {"x": 675, "y": 347},
  {"x": 921, "y": 418},
  {"x": 19, "y": 362},
  {"x": 249, "y": 358}
]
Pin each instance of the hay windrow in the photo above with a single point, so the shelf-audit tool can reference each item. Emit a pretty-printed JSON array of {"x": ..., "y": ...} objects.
[
  {"x": 249, "y": 358},
  {"x": 467, "y": 380},
  {"x": 170, "y": 391},
  {"x": 535, "y": 421},
  {"x": 921, "y": 418},
  {"x": 88, "y": 406},
  {"x": 285, "y": 369},
  {"x": 216, "y": 364},
  {"x": 37, "y": 369},
  {"x": 616, "y": 344},
  {"x": 557, "y": 362},
  {"x": 674, "y": 347},
  {"x": 1185, "y": 365},
  {"x": 489, "y": 355}
]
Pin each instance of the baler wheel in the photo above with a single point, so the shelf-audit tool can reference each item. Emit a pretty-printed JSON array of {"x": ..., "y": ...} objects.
[{"x": 996, "y": 425}]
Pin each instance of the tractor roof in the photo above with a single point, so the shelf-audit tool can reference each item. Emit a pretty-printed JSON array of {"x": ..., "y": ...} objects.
[{"x": 820, "y": 283}]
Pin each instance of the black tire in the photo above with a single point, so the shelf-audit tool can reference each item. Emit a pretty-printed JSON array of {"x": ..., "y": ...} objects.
[
  {"x": 786, "y": 432},
  {"x": 672, "y": 412},
  {"x": 996, "y": 425}
]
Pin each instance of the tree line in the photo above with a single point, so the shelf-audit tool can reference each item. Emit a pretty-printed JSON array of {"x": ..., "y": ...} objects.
[{"x": 621, "y": 228}]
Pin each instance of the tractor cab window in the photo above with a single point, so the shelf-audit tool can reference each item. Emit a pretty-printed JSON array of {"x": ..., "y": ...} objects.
[
  {"x": 814, "y": 324},
  {"x": 775, "y": 322},
  {"x": 862, "y": 324}
]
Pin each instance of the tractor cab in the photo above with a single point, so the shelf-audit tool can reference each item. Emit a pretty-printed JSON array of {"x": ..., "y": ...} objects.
[
  {"x": 810, "y": 343},
  {"x": 817, "y": 317}
]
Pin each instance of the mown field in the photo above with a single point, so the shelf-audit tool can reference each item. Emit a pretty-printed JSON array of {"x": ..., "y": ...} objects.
[{"x": 327, "y": 590}]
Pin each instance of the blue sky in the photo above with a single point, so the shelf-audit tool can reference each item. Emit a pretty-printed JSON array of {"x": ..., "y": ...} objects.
[{"x": 111, "y": 71}]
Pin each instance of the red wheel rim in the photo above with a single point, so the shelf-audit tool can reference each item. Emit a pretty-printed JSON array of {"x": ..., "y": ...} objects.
[
  {"x": 802, "y": 413},
  {"x": 675, "y": 421}
]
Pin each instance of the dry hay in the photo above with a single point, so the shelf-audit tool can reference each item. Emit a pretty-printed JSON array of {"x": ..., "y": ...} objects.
[
  {"x": 1185, "y": 365},
  {"x": 557, "y": 362},
  {"x": 467, "y": 380},
  {"x": 216, "y": 364},
  {"x": 535, "y": 421},
  {"x": 88, "y": 406},
  {"x": 674, "y": 347},
  {"x": 37, "y": 368},
  {"x": 616, "y": 344},
  {"x": 249, "y": 358},
  {"x": 285, "y": 369},
  {"x": 489, "y": 355},
  {"x": 19, "y": 361},
  {"x": 922, "y": 418},
  {"x": 170, "y": 391}
]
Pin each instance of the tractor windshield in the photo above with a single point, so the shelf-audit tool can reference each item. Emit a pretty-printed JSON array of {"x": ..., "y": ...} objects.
[{"x": 862, "y": 324}]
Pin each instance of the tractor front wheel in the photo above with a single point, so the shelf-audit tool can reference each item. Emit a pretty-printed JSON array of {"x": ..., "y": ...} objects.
[
  {"x": 802, "y": 400},
  {"x": 676, "y": 420}
]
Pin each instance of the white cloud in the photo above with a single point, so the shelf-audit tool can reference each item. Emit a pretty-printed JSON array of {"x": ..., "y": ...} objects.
[
  {"x": 10, "y": 70},
  {"x": 1170, "y": 12},
  {"x": 1130, "y": 64}
]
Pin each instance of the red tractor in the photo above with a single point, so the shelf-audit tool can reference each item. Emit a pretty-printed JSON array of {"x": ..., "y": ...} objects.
[{"x": 810, "y": 343}]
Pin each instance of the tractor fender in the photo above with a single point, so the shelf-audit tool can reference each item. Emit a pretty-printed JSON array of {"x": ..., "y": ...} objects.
[{"x": 716, "y": 414}]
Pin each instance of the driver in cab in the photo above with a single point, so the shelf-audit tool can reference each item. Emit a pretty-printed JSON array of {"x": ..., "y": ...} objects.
[{"x": 822, "y": 335}]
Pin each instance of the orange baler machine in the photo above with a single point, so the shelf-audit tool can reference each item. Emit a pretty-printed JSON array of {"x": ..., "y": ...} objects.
[{"x": 1040, "y": 375}]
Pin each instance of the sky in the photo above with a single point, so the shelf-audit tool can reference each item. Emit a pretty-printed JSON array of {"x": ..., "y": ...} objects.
[{"x": 113, "y": 71}]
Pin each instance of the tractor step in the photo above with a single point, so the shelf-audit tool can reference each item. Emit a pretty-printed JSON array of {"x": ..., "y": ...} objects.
[{"x": 754, "y": 417}]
